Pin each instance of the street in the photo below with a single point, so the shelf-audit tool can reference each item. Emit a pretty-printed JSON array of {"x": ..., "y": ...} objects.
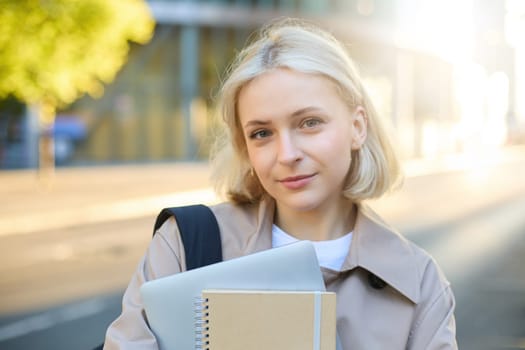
[{"x": 61, "y": 287}]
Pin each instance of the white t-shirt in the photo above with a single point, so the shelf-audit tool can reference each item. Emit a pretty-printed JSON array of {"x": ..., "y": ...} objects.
[{"x": 331, "y": 254}]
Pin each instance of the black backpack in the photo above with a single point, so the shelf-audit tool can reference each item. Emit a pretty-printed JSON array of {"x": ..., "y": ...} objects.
[{"x": 199, "y": 232}]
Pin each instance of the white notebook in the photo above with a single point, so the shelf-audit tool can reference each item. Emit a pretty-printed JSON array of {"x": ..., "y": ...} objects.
[{"x": 169, "y": 301}]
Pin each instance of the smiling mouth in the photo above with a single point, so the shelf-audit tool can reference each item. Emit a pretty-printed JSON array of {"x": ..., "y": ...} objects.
[
  {"x": 295, "y": 183},
  {"x": 296, "y": 178}
]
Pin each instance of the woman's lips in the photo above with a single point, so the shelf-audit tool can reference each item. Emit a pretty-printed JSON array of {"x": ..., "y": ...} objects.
[{"x": 297, "y": 182}]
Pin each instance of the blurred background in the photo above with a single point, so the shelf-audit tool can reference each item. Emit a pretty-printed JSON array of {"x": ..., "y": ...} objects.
[{"x": 106, "y": 116}]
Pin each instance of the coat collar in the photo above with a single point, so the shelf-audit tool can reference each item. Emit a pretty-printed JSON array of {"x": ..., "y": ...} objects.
[
  {"x": 375, "y": 247},
  {"x": 381, "y": 250}
]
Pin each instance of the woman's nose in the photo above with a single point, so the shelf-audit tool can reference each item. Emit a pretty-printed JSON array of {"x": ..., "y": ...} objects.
[{"x": 288, "y": 151}]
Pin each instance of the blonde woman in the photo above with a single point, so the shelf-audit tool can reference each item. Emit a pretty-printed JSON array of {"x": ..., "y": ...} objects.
[{"x": 303, "y": 148}]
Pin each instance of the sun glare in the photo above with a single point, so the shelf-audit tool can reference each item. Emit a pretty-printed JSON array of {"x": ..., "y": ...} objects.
[{"x": 481, "y": 95}]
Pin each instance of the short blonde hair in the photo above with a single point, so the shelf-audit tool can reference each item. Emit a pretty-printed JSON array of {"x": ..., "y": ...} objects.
[{"x": 299, "y": 46}]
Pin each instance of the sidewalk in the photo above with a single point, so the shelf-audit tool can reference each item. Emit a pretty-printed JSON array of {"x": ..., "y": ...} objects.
[
  {"x": 78, "y": 196},
  {"x": 490, "y": 294},
  {"x": 86, "y": 195}
]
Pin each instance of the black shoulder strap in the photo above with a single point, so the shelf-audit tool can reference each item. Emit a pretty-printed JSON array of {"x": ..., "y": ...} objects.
[{"x": 199, "y": 233}]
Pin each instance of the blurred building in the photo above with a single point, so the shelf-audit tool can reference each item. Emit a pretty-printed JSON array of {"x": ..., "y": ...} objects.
[{"x": 444, "y": 73}]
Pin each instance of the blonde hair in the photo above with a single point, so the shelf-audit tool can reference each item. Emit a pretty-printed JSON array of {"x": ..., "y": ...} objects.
[{"x": 297, "y": 45}]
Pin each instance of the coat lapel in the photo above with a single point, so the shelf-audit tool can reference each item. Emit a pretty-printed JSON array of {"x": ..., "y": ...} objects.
[{"x": 381, "y": 250}]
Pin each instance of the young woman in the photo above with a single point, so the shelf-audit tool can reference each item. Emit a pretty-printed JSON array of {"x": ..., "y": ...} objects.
[{"x": 303, "y": 148}]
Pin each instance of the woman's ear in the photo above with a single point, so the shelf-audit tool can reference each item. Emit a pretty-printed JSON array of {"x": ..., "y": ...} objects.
[{"x": 359, "y": 127}]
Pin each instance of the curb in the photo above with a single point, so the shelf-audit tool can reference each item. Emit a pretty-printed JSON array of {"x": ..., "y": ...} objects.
[{"x": 96, "y": 213}]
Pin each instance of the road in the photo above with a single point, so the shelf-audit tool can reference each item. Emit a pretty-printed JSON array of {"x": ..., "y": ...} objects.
[{"x": 61, "y": 287}]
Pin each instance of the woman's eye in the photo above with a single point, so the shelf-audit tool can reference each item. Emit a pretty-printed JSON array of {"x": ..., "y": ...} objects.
[
  {"x": 310, "y": 123},
  {"x": 259, "y": 134}
]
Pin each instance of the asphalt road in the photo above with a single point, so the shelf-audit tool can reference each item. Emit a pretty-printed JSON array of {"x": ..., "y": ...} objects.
[{"x": 60, "y": 288}]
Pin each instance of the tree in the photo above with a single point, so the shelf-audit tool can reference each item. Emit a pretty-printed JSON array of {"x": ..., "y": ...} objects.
[{"x": 54, "y": 51}]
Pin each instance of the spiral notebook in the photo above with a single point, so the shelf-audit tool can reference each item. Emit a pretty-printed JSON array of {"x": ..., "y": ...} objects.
[
  {"x": 168, "y": 301},
  {"x": 262, "y": 320}
]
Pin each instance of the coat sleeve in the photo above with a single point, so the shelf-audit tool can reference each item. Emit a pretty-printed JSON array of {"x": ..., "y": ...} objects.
[
  {"x": 434, "y": 326},
  {"x": 164, "y": 257}
]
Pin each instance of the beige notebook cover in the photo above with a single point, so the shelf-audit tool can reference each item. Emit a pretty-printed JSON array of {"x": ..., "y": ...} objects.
[{"x": 263, "y": 320}]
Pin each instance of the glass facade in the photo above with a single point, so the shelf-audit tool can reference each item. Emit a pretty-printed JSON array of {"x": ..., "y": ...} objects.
[{"x": 160, "y": 106}]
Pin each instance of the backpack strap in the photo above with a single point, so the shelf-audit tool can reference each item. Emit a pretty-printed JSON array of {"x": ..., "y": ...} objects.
[{"x": 199, "y": 232}]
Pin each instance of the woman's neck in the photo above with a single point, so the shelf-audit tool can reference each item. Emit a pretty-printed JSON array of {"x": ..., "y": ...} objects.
[{"x": 317, "y": 225}]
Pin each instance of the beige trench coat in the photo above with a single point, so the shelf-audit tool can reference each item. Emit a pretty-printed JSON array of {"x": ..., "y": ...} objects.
[{"x": 414, "y": 310}]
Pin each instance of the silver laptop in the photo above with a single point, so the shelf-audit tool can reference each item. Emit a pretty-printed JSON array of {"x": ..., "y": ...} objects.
[{"x": 169, "y": 301}]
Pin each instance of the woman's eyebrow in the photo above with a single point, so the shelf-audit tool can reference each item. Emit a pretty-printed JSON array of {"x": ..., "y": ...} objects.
[
  {"x": 306, "y": 110},
  {"x": 256, "y": 122},
  {"x": 301, "y": 111}
]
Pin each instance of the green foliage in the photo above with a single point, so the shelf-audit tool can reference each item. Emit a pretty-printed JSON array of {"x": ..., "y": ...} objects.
[{"x": 57, "y": 50}]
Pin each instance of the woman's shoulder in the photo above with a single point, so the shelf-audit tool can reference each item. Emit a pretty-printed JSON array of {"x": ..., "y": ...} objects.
[
  {"x": 245, "y": 228},
  {"x": 377, "y": 223},
  {"x": 251, "y": 214},
  {"x": 227, "y": 208}
]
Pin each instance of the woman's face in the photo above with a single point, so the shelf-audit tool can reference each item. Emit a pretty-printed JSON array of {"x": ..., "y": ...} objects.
[{"x": 299, "y": 135}]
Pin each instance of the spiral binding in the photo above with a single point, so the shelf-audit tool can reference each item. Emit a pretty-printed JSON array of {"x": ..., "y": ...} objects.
[{"x": 200, "y": 308}]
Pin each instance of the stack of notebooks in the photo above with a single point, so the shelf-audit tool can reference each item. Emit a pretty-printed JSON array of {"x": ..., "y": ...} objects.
[{"x": 274, "y": 299}]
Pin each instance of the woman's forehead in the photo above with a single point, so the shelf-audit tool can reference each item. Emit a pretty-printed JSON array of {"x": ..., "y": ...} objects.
[
  {"x": 288, "y": 89},
  {"x": 273, "y": 80}
]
